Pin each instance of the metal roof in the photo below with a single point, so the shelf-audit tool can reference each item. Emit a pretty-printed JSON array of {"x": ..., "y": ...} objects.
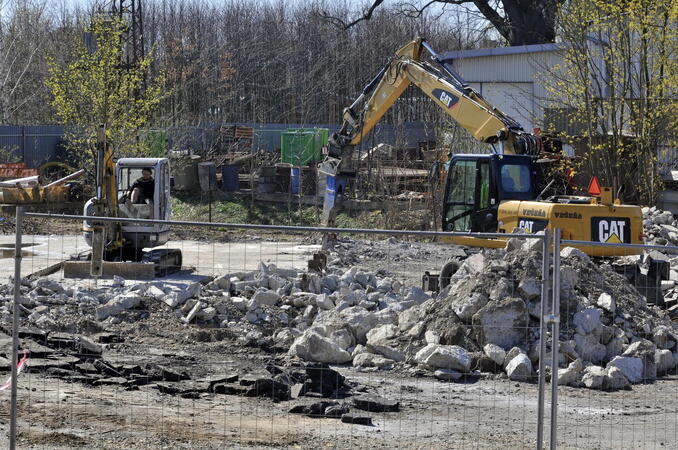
[{"x": 516, "y": 50}]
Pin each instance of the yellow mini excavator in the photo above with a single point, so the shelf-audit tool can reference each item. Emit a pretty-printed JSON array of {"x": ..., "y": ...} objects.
[
  {"x": 497, "y": 192},
  {"x": 118, "y": 248}
]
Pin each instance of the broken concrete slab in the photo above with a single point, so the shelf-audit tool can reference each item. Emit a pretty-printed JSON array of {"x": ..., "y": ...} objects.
[
  {"x": 268, "y": 387},
  {"x": 375, "y": 403},
  {"x": 88, "y": 347},
  {"x": 356, "y": 419},
  {"x": 118, "y": 304},
  {"x": 229, "y": 389},
  {"x": 324, "y": 380}
]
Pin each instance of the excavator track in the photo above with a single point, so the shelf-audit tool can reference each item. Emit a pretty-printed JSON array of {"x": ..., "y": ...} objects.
[
  {"x": 154, "y": 264},
  {"x": 165, "y": 261}
]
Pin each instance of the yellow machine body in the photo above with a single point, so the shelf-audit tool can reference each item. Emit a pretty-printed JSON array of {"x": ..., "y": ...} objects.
[{"x": 594, "y": 222}]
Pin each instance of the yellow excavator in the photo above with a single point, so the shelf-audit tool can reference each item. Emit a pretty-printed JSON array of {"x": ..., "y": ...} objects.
[
  {"x": 119, "y": 248},
  {"x": 496, "y": 192}
]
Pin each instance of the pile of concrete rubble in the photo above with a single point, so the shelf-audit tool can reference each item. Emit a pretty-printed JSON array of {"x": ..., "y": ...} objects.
[
  {"x": 486, "y": 323},
  {"x": 660, "y": 228}
]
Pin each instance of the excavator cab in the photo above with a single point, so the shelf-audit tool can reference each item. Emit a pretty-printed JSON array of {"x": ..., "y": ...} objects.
[
  {"x": 128, "y": 171},
  {"x": 476, "y": 184}
]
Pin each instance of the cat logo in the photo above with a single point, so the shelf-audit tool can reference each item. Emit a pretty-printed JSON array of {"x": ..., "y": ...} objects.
[
  {"x": 532, "y": 225},
  {"x": 611, "y": 230},
  {"x": 526, "y": 225},
  {"x": 448, "y": 98}
]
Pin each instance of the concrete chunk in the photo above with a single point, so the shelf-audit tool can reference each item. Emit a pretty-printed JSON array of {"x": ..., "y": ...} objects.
[
  {"x": 495, "y": 353},
  {"x": 606, "y": 302},
  {"x": 445, "y": 357},
  {"x": 594, "y": 377},
  {"x": 519, "y": 368},
  {"x": 615, "y": 379},
  {"x": 117, "y": 305},
  {"x": 631, "y": 367},
  {"x": 311, "y": 346}
]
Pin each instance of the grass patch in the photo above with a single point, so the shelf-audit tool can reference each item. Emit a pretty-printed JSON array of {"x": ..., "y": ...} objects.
[
  {"x": 230, "y": 210},
  {"x": 241, "y": 211}
]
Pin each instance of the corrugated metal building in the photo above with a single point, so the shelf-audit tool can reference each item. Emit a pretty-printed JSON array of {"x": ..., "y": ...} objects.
[{"x": 511, "y": 78}]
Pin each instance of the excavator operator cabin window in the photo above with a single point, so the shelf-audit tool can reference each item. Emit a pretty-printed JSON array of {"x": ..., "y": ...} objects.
[
  {"x": 515, "y": 178},
  {"x": 461, "y": 195},
  {"x": 484, "y": 201},
  {"x": 127, "y": 177}
]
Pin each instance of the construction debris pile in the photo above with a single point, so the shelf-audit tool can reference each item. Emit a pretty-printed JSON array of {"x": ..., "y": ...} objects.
[
  {"x": 486, "y": 323},
  {"x": 660, "y": 228}
]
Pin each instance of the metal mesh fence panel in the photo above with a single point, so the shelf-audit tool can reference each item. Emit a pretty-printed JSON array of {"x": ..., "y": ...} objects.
[
  {"x": 246, "y": 346},
  {"x": 617, "y": 371},
  {"x": 259, "y": 342}
]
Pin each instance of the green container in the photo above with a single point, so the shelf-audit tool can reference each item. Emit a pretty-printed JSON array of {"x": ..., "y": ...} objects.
[{"x": 301, "y": 147}]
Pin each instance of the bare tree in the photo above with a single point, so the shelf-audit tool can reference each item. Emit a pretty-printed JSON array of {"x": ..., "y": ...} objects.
[
  {"x": 22, "y": 33},
  {"x": 235, "y": 61},
  {"x": 520, "y": 22}
]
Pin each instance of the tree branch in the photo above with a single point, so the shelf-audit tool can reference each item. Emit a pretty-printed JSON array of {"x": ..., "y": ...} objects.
[
  {"x": 411, "y": 10},
  {"x": 367, "y": 15},
  {"x": 499, "y": 22}
]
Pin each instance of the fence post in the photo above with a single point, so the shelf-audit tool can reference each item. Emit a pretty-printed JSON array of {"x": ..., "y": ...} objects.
[
  {"x": 15, "y": 325},
  {"x": 554, "y": 319},
  {"x": 545, "y": 272}
]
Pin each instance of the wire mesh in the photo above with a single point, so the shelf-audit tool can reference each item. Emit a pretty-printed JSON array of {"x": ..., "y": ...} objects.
[
  {"x": 225, "y": 352},
  {"x": 618, "y": 364}
]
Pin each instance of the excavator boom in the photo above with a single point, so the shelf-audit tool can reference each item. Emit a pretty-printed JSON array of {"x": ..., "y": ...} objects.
[{"x": 444, "y": 87}]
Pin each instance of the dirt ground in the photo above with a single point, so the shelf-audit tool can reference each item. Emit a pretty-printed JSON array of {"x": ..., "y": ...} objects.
[
  {"x": 488, "y": 412},
  {"x": 433, "y": 415}
]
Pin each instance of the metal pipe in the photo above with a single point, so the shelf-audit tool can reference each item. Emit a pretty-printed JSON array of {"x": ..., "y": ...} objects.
[
  {"x": 23, "y": 182},
  {"x": 609, "y": 244},
  {"x": 456, "y": 79},
  {"x": 545, "y": 269},
  {"x": 15, "y": 326},
  {"x": 66, "y": 178},
  {"x": 282, "y": 227},
  {"x": 555, "y": 337}
]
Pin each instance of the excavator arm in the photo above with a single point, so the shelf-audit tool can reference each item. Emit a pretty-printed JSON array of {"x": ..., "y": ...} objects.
[
  {"x": 105, "y": 236},
  {"x": 467, "y": 107},
  {"x": 444, "y": 86}
]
